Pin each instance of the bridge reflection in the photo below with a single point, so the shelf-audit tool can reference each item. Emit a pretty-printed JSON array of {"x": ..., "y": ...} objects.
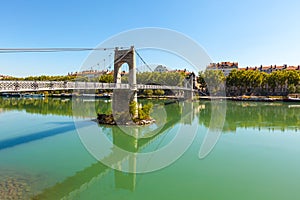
[
  {"x": 83, "y": 179},
  {"x": 238, "y": 114},
  {"x": 272, "y": 116}
]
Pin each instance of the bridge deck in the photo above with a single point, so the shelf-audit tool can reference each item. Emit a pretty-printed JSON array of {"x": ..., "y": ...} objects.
[{"x": 34, "y": 86}]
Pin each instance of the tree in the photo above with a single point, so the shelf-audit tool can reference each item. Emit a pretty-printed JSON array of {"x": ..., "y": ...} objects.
[
  {"x": 148, "y": 92},
  {"x": 292, "y": 88},
  {"x": 215, "y": 80},
  {"x": 145, "y": 111},
  {"x": 106, "y": 78},
  {"x": 161, "y": 78},
  {"x": 200, "y": 79},
  {"x": 159, "y": 92}
]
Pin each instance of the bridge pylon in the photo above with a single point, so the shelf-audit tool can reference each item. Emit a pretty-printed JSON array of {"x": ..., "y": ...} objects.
[{"x": 122, "y": 98}]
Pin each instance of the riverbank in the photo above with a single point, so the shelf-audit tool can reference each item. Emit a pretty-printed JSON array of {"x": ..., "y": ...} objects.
[{"x": 253, "y": 98}]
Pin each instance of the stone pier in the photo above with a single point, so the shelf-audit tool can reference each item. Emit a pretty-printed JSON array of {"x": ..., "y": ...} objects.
[{"x": 122, "y": 98}]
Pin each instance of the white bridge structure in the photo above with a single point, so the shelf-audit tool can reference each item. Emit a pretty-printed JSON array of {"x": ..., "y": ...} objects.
[
  {"x": 121, "y": 56},
  {"x": 34, "y": 86}
]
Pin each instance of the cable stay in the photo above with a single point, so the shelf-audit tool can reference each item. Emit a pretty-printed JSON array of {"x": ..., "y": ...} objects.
[{"x": 51, "y": 50}]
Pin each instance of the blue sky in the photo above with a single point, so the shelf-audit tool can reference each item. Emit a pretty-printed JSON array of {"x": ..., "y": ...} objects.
[{"x": 251, "y": 32}]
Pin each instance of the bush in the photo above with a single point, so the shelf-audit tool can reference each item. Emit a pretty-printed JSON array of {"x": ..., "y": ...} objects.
[
  {"x": 298, "y": 89},
  {"x": 143, "y": 112},
  {"x": 132, "y": 108},
  {"x": 159, "y": 92},
  {"x": 148, "y": 92},
  {"x": 292, "y": 88}
]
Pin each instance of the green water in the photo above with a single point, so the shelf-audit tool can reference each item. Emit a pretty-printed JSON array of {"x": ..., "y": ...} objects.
[{"x": 256, "y": 157}]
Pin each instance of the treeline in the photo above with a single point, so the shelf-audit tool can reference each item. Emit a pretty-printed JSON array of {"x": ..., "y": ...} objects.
[
  {"x": 250, "y": 82},
  {"x": 238, "y": 82},
  {"x": 164, "y": 78},
  {"x": 43, "y": 78},
  {"x": 158, "y": 78},
  {"x": 55, "y": 106}
]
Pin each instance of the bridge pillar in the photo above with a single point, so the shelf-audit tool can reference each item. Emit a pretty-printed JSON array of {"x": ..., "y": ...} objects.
[
  {"x": 188, "y": 93},
  {"x": 123, "y": 97},
  {"x": 121, "y": 100}
]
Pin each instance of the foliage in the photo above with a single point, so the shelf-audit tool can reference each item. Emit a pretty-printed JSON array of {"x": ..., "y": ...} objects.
[
  {"x": 292, "y": 88},
  {"x": 159, "y": 92},
  {"x": 254, "y": 81},
  {"x": 148, "y": 93},
  {"x": 44, "y": 78},
  {"x": 240, "y": 82},
  {"x": 161, "y": 78},
  {"x": 213, "y": 80},
  {"x": 200, "y": 79},
  {"x": 143, "y": 111},
  {"x": 157, "y": 78},
  {"x": 106, "y": 78},
  {"x": 298, "y": 89},
  {"x": 262, "y": 116},
  {"x": 132, "y": 108}
]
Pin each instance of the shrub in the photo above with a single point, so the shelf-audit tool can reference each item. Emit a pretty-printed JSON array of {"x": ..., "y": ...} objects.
[
  {"x": 148, "y": 92},
  {"x": 143, "y": 112},
  {"x": 159, "y": 92}
]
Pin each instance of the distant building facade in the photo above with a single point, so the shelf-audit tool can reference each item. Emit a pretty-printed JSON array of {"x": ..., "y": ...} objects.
[
  {"x": 4, "y": 77},
  {"x": 225, "y": 67},
  {"x": 161, "y": 68},
  {"x": 272, "y": 68},
  {"x": 89, "y": 73}
]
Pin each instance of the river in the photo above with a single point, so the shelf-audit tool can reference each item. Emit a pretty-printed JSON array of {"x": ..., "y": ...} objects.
[{"x": 42, "y": 154}]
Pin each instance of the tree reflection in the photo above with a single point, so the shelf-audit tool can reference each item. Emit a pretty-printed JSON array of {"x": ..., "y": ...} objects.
[{"x": 280, "y": 116}]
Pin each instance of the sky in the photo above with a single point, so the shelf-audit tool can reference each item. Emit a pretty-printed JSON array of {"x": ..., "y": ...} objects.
[{"x": 249, "y": 32}]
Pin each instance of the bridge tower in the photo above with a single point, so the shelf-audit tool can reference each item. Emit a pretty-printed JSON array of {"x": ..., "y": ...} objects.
[
  {"x": 189, "y": 83},
  {"x": 123, "y": 97},
  {"x": 121, "y": 57}
]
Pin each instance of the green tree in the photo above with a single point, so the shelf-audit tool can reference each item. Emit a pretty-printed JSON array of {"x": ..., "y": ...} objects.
[
  {"x": 148, "y": 93},
  {"x": 106, "y": 78},
  {"x": 200, "y": 79},
  {"x": 145, "y": 111},
  {"x": 215, "y": 80},
  {"x": 159, "y": 92}
]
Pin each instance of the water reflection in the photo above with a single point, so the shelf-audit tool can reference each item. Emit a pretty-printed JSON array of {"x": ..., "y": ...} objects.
[
  {"x": 273, "y": 116},
  {"x": 128, "y": 142},
  {"x": 238, "y": 114}
]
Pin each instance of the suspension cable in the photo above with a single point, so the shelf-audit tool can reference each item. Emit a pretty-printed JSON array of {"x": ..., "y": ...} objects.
[
  {"x": 143, "y": 61},
  {"x": 50, "y": 50}
]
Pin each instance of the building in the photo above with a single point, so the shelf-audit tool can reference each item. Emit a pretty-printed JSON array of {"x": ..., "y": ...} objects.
[
  {"x": 161, "y": 68},
  {"x": 89, "y": 73},
  {"x": 2, "y": 77},
  {"x": 225, "y": 67},
  {"x": 272, "y": 68}
]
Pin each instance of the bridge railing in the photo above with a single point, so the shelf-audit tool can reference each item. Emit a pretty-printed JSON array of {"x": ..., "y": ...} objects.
[
  {"x": 10, "y": 86},
  {"x": 23, "y": 86}
]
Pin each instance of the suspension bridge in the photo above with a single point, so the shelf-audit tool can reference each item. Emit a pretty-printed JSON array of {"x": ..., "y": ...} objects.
[
  {"x": 35, "y": 86},
  {"x": 121, "y": 56}
]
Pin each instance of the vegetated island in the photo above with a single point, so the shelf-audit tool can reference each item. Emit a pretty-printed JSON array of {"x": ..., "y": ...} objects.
[{"x": 138, "y": 115}]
